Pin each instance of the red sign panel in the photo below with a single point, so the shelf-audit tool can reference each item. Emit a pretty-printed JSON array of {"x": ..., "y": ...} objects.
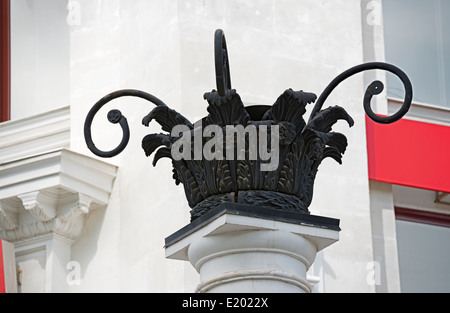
[
  {"x": 409, "y": 153},
  {"x": 2, "y": 270},
  {"x": 4, "y": 60}
]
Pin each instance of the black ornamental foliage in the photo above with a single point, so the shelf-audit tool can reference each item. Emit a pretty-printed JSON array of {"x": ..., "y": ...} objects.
[
  {"x": 302, "y": 149},
  {"x": 301, "y": 145}
]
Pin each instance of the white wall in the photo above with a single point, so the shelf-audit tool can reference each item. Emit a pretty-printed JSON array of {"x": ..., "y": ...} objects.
[
  {"x": 39, "y": 57},
  {"x": 123, "y": 44}
]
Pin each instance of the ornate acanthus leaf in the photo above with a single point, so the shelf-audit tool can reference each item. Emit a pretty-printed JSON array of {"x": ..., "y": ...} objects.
[
  {"x": 336, "y": 144},
  {"x": 322, "y": 125},
  {"x": 290, "y": 107},
  {"x": 325, "y": 119},
  {"x": 162, "y": 153},
  {"x": 153, "y": 141},
  {"x": 226, "y": 110},
  {"x": 167, "y": 118}
]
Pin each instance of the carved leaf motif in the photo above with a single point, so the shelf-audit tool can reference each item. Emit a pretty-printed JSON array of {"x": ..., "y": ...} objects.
[
  {"x": 270, "y": 180},
  {"x": 198, "y": 172},
  {"x": 334, "y": 153},
  {"x": 286, "y": 174},
  {"x": 325, "y": 119},
  {"x": 337, "y": 140},
  {"x": 336, "y": 145},
  {"x": 244, "y": 176},
  {"x": 191, "y": 188},
  {"x": 210, "y": 169},
  {"x": 271, "y": 199},
  {"x": 153, "y": 141},
  {"x": 227, "y": 110},
  {"x": 322, "y": 124},
  {"x": 167, "y": 118},
  {"x": 223, "y": 178},
  {"x": 210, "y": 203},
  {"x": 162, "y": 153},
  {"x": 290, "y": 107}
]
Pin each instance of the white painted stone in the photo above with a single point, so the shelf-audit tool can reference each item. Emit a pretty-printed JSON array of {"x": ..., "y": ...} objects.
[
  {"x": 40, "y": 66},
  {"x": 36, "y": 134},
  {"x": 241, "y": 254},
  {"x": 45, "y": 199}
]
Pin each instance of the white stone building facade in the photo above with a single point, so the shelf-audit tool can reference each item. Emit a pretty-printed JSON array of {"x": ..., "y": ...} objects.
[{"x": 84, "y": 224}]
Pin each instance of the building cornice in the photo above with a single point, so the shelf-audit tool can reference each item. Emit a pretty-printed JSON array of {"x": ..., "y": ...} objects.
[
  {"x": 423, "y": 112},
  {"x": 51, "y": 193},
  {"x": 35, "y": 135}
]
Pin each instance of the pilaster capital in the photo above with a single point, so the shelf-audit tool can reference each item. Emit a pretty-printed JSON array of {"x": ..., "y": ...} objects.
[{"x": 51, "y": 193}]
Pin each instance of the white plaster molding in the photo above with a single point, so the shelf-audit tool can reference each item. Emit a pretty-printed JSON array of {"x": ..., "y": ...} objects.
[
  {"x": 34, "y": 135},
  {"x": 51, "y": 192},
  {"x": 41, "y": 206},
  {"x": 423, "y": 112},
  {"x": 68, "y": 223},
  {"x": 60, "y": 168},
  {"x": 8, "y": 218}
]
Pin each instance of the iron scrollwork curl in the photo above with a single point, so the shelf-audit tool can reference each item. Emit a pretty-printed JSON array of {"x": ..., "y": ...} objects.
[
  {"x": 223, "y": 77},
  {"x": 374, "y": 89},
  {"x": 224, "y": 82},
  {"x": 115, "y": 117}
]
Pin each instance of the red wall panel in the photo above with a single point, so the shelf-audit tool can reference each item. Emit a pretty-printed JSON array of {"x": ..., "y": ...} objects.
[
  {"x": 2, "y": 271},
  {"x": 409, "y": 153},
  {"x": 4, "y": 60}
]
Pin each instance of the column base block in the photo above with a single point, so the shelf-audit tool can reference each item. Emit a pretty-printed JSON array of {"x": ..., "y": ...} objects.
[{"x": 245, "y": 249}]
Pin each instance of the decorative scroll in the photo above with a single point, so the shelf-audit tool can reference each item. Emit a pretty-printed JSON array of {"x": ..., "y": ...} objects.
[
  {"x": 115, "y": 117},
  {"x": 223, "y": 77},
  {"x": 374, "y": 89}
]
